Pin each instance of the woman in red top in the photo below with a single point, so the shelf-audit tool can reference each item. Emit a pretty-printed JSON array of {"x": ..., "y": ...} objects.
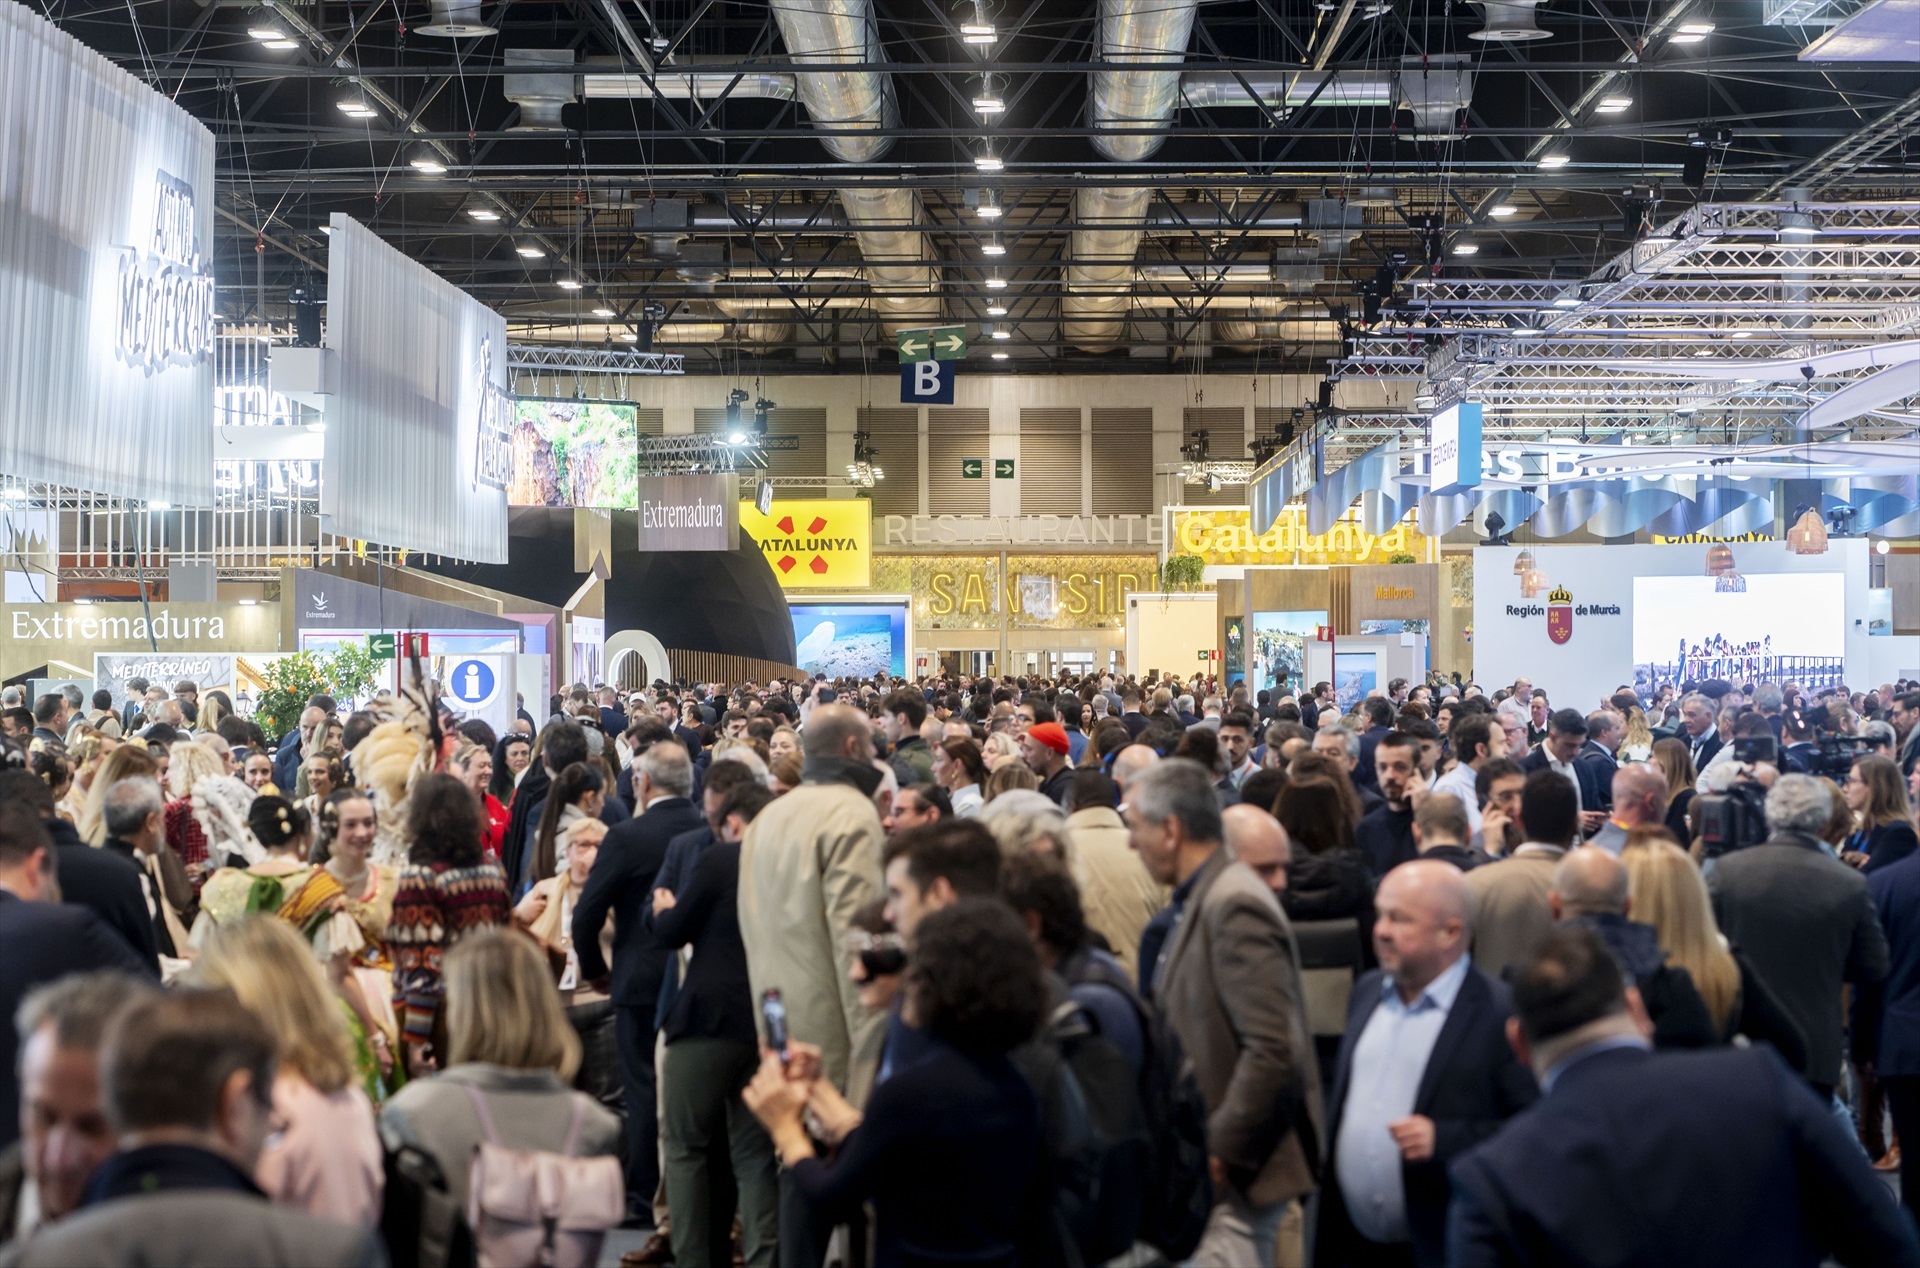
[{"x": 472, "y": 765}]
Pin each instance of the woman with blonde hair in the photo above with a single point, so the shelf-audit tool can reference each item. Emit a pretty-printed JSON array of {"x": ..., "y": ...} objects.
[
  {"x": 547, "y": 914},
  {"x": 129, "y": 761},
  {"x": 1009, "y": 776},
  {"x": 1638, "y": 744},
  {"x": 187, "y": 764},
  {"x": 509, "y": 1048},
  {"x": 1675, "y": 760},
  {"x": 999, "y": 750},
  {"x": 326, "y": 1158},
  {"x": 1884, "y": 830},
  {"x": 1665, "y": 890}
]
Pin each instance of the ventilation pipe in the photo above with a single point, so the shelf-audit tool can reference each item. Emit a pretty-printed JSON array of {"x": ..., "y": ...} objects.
[
  {"x": 826, "y": 33},
  {"x": 1147, "y": 33},
  {"x": 1433, "y": 88},
  {"x": 456, "y": 20},
  {"x": 540, "y": 81},
  {"x": 1508, "y": 22}
]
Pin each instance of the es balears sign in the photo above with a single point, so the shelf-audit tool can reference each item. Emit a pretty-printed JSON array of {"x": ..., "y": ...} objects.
[{"x": 689, "y": 512}]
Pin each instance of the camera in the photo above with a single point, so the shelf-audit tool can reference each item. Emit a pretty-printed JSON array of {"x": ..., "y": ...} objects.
[{"x": 1732, "y": 820}]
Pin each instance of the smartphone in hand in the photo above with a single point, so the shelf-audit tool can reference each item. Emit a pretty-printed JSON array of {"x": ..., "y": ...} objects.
[{"x": 774, "y": 1011}]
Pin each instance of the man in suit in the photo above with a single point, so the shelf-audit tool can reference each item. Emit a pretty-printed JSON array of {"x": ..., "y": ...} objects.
[
  {"x": 622, "y": 882},
  {"x": 1385, "y": 833},
  {"x": 1228, "y": 982},
  {"x": 1566, "y": 736},
  {"x": 1803, "y": 918},
  {"x": 1379, "y": 715},
  {"x": 1616, "y": 1162},
  {"x": 1511, "y": 911},
  {"x": 1639, "y": 800},
  {"x": 1697, "y": 729},
  {"x": 100, "y": 880},
  {"x": 41, "y": 938},
  {"x": 1606, "y": 731},
  {"x": 1424, "y": 1074}
]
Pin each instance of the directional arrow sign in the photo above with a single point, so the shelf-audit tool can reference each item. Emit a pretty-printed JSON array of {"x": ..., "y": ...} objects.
[
  {"x": 970, "y": 468},
  {"x": 940, "y": 343},
  {"x": 1003, "y": 468},
  {"x": 381, "y": 646}
]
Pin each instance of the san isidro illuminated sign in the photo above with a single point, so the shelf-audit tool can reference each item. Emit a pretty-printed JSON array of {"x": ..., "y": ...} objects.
[
  {"x": 165, "y": 293},
  {"x": 493, "y": 450}
]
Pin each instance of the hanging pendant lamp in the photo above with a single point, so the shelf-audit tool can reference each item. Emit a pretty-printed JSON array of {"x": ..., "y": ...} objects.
[
  {"x": 1808, "y": 536},
  {"x": 1729, "y": 583},
  {"x": 1523, "y": 562},
  {"x": 1719, "y": 559}
]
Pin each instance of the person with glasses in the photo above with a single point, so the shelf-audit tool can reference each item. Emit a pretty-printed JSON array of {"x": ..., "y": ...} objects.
[{"x": 1886, "y": 830}]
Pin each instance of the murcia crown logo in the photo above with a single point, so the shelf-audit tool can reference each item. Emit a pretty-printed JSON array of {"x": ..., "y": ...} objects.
[{"x": 1560, "y": 614}]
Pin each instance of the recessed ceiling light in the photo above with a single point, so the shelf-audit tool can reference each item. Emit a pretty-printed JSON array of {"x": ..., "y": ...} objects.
[
  {"x": 988, "y": 162},
  {"x": 483, "y": 213},
  {"x": 999, "y": 356},
  {"x": 567, "y": 284},
  {"x": 996, "y": 283},
  {"x": 1613, "y": 105},
  {"x": 996, "y": 309},
  {"x": 529, "y": 252},
  {"x": 1503, "y": 210},
  {"x": 603, "y": 312},
  {"x": 993, "y": 248},
  {"x": 1466, "y": 248},
  {"x": 1555, "y": 160}
]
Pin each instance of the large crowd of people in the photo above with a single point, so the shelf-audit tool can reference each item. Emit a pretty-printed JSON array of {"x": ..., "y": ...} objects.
[{"x": 986, "y": 971}]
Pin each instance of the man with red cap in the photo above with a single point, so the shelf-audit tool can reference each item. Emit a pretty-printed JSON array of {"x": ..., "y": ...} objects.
[{"x": 1045, "y": 747}]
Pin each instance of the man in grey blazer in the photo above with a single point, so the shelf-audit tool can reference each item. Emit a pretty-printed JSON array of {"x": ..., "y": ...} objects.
[{"x": 1228, "y": 981}]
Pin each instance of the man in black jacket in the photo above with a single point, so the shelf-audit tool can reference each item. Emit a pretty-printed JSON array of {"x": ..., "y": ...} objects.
[
  {"x": 1385, "y": 834},
  {"x": 622, "y": 882},
  {"x": 1424, "y": 1074},
  {"x": 98, "y": 879},
  {"x": 136, "y": 830},
  {"x": 42, "y": 939}
]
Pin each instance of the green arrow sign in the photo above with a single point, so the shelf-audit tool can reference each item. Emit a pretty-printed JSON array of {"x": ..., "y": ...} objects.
[
  {"x": 381, "y": 647},
  {"x": 940, "y": 343},
  {"x": 970, "y": 468},
  {"x": 1003, "y": 468}
]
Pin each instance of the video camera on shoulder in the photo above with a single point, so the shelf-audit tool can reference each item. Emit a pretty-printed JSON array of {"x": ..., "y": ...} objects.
[{"x": 1732, "y": 820}]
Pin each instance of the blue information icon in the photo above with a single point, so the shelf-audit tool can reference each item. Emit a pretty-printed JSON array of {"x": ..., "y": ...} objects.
[{"x": 471, "y": 682}]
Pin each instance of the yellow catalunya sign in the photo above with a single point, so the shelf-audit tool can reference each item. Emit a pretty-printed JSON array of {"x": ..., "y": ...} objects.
[
  {"x": 1226, "y": 537},
  {"x": 817, "y": 544}
]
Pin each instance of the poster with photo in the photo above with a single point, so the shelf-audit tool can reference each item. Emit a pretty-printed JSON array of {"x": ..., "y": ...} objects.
[
  {"x": 1277, "y": 648},
  {"x": 1355, "y": 674}
]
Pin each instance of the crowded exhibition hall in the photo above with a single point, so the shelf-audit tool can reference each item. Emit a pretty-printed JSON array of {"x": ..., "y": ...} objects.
[{"x": 1359, "y": 708}]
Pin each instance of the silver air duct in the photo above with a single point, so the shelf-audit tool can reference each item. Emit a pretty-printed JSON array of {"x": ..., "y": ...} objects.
[
  {"x": 540, "y": 81},
  {"x": 456, "y": 20},
  {"x": 843, "y": 103},
  {"x": 1508, "y": 21},
  {"x": 1151, "y": 33}
]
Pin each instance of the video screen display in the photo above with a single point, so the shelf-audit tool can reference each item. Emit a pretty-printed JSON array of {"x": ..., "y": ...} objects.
[
  {"x": 575, "y": 453},
  {"x": 850, "y": 640},
  {"x": 1276, "y": 648},
  {"x": 1355, "y": 675},
  {"x": 1786, "y": 625}
]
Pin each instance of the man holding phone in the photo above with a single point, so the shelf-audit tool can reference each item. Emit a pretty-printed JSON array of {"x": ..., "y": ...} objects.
[
  {"x": 1385, "y": 835},
  {"x": 1566, "y": 736}
]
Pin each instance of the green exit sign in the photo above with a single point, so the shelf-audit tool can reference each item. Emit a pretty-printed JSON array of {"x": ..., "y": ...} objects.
[
  {"x": 970, "y": 468},
  {"x": 1003, "y": 468},
  {"x": 381, "y": 647}
]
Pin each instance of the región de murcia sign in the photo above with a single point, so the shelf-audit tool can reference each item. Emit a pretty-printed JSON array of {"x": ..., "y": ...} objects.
[{"x": 165, "y": 293}]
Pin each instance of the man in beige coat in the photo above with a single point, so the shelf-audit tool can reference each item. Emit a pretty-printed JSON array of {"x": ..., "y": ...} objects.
[
  {"x": 809, "y": 862},
  {"x": 1116, "y": 893},
  {"x": 1228, "y": 982},
  {"x": 1511, "y": 910}
]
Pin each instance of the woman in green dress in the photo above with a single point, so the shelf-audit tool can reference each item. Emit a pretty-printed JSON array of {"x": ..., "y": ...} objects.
[{"x": 274, "y": 843}]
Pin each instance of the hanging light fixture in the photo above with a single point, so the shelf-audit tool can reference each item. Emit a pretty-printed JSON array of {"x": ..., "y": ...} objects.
[
  {"x": 1808, "y": 536},
  {"x": 1523, "y": 562},
  {"x": 1730, "y": 583},
  {"x": 1719, "y": 559},
  {"x": 1532, "y": 582}
]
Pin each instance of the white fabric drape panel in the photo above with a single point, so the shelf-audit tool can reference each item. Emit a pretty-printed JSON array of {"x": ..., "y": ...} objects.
[
  {"x": 85, "y": 153},
  {"x": 403, "y": 424}
]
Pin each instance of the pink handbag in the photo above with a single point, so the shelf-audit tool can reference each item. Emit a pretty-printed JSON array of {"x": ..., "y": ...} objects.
[{"x": 531, "y": 1207}]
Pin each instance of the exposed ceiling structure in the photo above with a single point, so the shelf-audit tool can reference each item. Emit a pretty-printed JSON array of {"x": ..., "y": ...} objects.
[{"x": 1372, "y": 187}]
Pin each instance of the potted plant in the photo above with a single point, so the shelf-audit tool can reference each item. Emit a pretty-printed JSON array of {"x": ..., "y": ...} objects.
[{"x": 1181, "y": 573}]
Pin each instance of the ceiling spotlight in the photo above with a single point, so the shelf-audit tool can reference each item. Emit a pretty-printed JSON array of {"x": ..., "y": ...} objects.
[
  {"x": 567, "y": 284},
  {"x": 1466, "y": 248},
  {"x": 1692, "y": 32},
  {"x": 993, "y": 247},
  {"x": 988, "y": 162},
  {"x": 603, "y": 312},
  {"x": 427, "y": 162},
  {"x": 999, "y": 356},
  {"x": 996, "y": 283},
  {"x": 1503, "y": 210},
  {"x": 528, "y": 251},
  {"x": 356, "y": 108},
  {"x": 978, "y": 32},
  {"x": 987, "y": 101},
  {"x": 1555, "y": 160},
  {"x": 1612, "y": 105},
  {"x": 265, "y": 33},
  {"x": 996, "y": 309},
  {"x": 989, "y": 209},
  {"x": 1000, "y": 332},
  {"x": 279, "y": 46},
  {"x": 484, "y": 214},
  {"x": 736, "y": 438}
]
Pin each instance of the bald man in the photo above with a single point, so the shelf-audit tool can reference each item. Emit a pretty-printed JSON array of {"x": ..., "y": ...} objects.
[
  {"x": 1127, "y": 763},
  {"x": 1424, "y": 1074},
  {"x": 1256, "y": 838},
  {"x": 1590, "y": 888},
  {"x": 1639, "y": 800}
]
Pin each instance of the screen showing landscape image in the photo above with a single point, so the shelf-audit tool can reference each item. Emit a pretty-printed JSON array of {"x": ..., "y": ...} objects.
[
  {"x": 575, "y": 453},
  {"x": 1276, "y": 648},
  {"x": 1784, "y": 625},
  {"x": 850, "y": 640},
  {"x": 1355, "y": 674}
]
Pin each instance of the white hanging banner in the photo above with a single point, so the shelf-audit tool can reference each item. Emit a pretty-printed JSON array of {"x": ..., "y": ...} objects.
[
  {"x": 106, "y": 276},
  {"x": 419, "y": 440}
]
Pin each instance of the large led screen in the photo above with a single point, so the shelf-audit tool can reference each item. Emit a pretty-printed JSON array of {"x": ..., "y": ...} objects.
[
  {"x": 574, "y": 453},
  {"x": 1785, "y": 625},
  {"x": 850, "y": 640},
  {"x": 1277, "y": 648}
]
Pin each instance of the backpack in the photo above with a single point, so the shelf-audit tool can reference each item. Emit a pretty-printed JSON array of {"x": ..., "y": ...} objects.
[
  {"x": 418, "y": 1219},
  {"x": 1177, "y": 1196},
  {"x": 529, "y": 1207}
]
